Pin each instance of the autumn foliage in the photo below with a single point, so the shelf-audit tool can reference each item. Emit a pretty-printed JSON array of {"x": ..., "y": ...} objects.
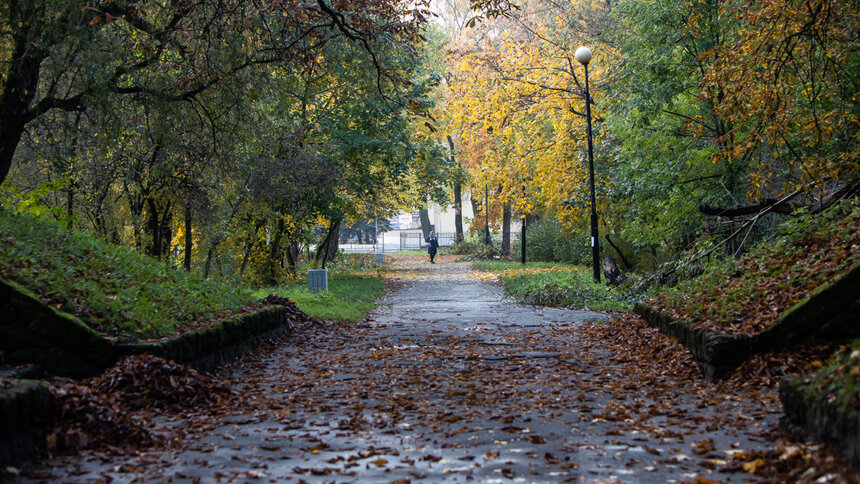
[{"x": 745, "y": 298}]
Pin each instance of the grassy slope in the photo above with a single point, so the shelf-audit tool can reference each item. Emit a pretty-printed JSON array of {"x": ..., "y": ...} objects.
[
  {"x": 746, "y": 296},
  {"x": 113, "y": 289},
  {"x": 555, "y": 284},
  {"x": 120, "y": 292}
]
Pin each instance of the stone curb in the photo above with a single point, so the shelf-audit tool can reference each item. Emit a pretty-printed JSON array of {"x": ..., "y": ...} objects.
[
  {"x": 811, "y": 416},
  {"x": 828, "y": 314},
  {"x": 208, "y": 349},
  {"x": 26, "y": 414},
  {"x": 33, "y": 332},
  {"x": 717, "y": 354}
]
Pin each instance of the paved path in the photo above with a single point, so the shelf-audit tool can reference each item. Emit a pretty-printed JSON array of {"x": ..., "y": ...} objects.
[{"x": 450, "y": 382}]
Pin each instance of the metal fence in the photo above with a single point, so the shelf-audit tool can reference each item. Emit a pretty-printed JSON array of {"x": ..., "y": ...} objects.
[
  {"x": 396, "y": 242},
  {"x": 414, "y": 241}
]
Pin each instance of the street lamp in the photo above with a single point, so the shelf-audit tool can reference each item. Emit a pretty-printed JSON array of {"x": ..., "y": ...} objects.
[
  {"x": 486, "y": 210},
  {"x": 525, "y": 219},
  {"x": 583, "y": 56}
]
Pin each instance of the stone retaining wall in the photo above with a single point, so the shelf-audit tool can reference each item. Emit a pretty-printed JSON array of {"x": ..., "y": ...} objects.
[
  {"x": 811, "y": 416},
  {"x": 207, "y": 349},
  {"x": 62, "y": 344},
  {"x": 717, "y": 354},
  {"x": 34, "y": 333},
  {"x": 828, "y": 314},
  {"x": 26, "y": 415}
]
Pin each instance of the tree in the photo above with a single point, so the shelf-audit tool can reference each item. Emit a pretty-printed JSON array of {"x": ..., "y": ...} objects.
[
  {"x": 79, "y": 54},
  {"x": 518, "y": 97},
  {"x": 789, "y": 94}
]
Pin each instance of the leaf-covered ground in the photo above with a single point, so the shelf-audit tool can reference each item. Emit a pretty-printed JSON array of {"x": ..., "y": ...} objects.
[
  {"x": 747, "y": 297},
  {"x": 452, "y": 383}
]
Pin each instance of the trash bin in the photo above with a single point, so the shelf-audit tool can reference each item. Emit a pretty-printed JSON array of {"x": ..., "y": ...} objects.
[{"x": 317, "y": 280}]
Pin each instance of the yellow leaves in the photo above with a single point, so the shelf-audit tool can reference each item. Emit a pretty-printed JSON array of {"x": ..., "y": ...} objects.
[
  {"x": 753, "y": 465},
  {"x": 704, "y": 480},
  {"x": 524, "y": 89},
  {"x": 790, "y": 452}
]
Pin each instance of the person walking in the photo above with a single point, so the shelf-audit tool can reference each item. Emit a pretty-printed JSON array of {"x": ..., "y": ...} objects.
[{"x": 432, "y": 246}]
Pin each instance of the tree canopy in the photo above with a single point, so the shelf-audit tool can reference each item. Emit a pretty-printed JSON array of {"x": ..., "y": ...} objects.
[{"x": 220, "y": 128}]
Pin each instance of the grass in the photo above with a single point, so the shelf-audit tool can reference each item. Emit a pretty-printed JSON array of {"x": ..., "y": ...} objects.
[
  {"x": 349, "y": 297},
  {"x": 115, "y": 290},
  {"x": 557, "y": 285},
  {"x": 441, "y": 251}
]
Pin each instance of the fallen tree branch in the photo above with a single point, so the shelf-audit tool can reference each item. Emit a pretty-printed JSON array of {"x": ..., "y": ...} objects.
[
  {"x": 778, "y": 205},
  {"x": 752, "y": 221},
  {"x": 740, "y": 210},
  {"x": 847, "y": 191}
]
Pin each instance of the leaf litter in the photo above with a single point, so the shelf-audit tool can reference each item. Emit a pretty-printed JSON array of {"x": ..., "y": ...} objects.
[{"x": 623, "y": 379}]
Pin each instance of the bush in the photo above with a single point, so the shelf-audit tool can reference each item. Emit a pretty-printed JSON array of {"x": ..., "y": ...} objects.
[
  {"x": 469, "y": 246},
  {"x": 475, "y": 249},
  {"x": 546, "y": 240}
]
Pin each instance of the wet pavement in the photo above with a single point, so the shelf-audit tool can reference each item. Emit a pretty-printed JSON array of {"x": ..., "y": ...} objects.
[{"x": 447, "y": 382}]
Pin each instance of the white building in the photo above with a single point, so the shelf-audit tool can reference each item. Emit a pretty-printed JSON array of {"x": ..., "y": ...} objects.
[{"x": 441, "y": 218}]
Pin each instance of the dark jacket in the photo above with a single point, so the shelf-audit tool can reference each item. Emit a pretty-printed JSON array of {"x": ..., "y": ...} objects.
[{"x": 432, "y": 245}]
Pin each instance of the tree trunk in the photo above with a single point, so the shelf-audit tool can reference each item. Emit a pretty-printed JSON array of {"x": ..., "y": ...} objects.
[
  {"x": 164, "y": 232},
  {"x": 274, "y": 255},
  {"x": 188, "y": 242},
  {"x": 249, "y": 246},
  {"x": 458, "y": 196},
  {"x": 292, "y": 257},
  {"x": 477, "y": 204},
  {"x": 159, "y": 227},
  {"x": 153, "y": 226},
  {"x": 323, "y": 250},
  {"x": 70, "y": 204},
  {"x": 135, "y": 205},
  {"x": 70, "y": 172},
  {"x": 627, "y": 265},
  {"x": 19, "y": 89},
  {"x": 506, "y": 228},
  {"x": 208, "y": 264},
  {"x": 334, "y": 245},
  {"x": 424, "y": 217},
  {"x": 458, "y": 211}
]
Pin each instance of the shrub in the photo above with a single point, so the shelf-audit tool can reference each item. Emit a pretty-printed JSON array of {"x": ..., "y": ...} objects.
[
  {"x": 475, "y": 249},
  {"x": 468, "y": 246},
  {"x": 559, "y": 285},
  {"x": 548, "y": 241}
]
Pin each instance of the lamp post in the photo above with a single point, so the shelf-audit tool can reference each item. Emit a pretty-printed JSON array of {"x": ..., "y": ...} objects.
[
  {"x": 525, "y": 219},
  {"x": 486, "y": 210},
  {"x": 583, "y": 56}
]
